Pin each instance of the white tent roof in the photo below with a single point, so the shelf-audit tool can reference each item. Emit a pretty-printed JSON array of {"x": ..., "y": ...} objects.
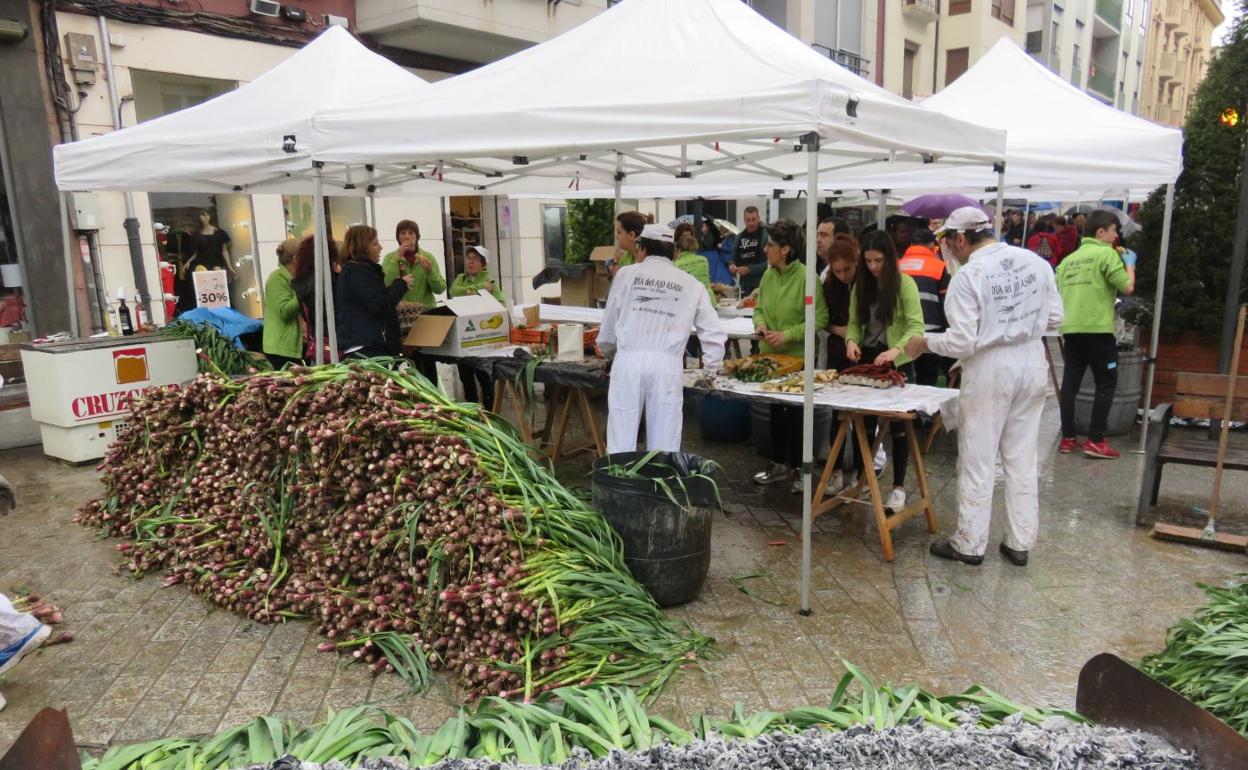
[
  {"x": 706, "y": 88},
  {"x": 1057, "y": 137},
  {"x": 236, "y": 139}
]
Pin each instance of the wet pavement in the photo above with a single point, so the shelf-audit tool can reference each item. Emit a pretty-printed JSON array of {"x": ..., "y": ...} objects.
[{"x": 149, "y": 661}]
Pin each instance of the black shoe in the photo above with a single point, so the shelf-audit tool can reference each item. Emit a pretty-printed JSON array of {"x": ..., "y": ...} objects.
[
  {"x": 945, "y": 550},
  {"x": 1017, "y": 558}
]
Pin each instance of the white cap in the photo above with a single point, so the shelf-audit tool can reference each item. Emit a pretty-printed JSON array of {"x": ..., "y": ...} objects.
[
  {"x": 657, "y": 232},
  {"x": 966, "y": 219},
  {"x": 484, "y": 252}
]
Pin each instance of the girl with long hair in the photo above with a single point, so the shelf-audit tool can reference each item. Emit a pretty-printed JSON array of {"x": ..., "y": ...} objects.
[{"x": 884, "y": 314}]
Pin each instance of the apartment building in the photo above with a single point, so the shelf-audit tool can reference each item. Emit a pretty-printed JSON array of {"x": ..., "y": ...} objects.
[{"x": 1180, "y": 45}]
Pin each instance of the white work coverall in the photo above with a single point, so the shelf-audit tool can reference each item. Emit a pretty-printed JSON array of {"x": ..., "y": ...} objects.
[
  {"x": 998, "y": 307},
  {"x": 14, "y": 626},
  {"x": 652, "y": 307}
]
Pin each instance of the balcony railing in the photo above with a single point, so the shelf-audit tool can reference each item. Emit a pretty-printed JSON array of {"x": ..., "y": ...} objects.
[
  {"x": 1101, "y": 79},
  {"x": 850, "y": 61},
  {"x": 926, "y": 11},
  {"x": 1172, "y": 13},
  {"x": 1165, "y": 67},
  {"x": 1110, "y": 12}
]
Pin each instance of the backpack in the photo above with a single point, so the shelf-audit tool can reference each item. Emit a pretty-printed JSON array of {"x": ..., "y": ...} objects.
[{"x": 1043, "y": 249}]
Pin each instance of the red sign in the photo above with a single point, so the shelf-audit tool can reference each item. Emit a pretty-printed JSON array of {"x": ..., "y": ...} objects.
[
  {"x": 130, "y": 365},
  {"x": 104, "y": 404}
]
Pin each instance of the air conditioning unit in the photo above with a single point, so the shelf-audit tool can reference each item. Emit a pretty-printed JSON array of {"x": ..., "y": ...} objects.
[
  {"x": 336, "y": 21},
  {"x": 266, "y": 8}
]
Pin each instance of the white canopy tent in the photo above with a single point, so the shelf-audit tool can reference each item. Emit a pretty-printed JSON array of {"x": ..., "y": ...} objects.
[{"x": 257, "y": 138}]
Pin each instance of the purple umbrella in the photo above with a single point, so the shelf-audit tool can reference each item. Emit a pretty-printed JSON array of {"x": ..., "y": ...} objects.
[{"x": 937, "y": 206}]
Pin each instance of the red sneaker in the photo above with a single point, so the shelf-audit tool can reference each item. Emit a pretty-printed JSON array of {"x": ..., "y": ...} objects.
[
  {"x": 1068, "y": 445},
  {"x": 1100, "y": 450}
]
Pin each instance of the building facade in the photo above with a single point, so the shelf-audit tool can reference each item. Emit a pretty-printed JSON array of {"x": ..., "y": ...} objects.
[{"x": 1180, "y": 45}]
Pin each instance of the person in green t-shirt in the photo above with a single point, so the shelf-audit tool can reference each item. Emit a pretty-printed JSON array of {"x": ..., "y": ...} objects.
[
  {"x": 1089, "y": 280},
  {"x": 628, "y": 227},
  {"x": 478, "y": 384},
  {"x": 780, "y": 320},
  {"x": 476, "y": 276},
  {"x": 689, "y": 260},
  {"x": 411, "y": 260}
]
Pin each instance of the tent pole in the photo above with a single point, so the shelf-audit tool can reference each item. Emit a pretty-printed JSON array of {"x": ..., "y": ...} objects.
[
  {"x": 881, "y": 211},
  {"x": 511, "y": 249},
  {"x": 318, "y": 265},
  {"x": 1156, "y": 334},
  {"x": 1000, "y": 212},
  {"x": 372, "y": 198},
  {"x": 808, "y": 400},
  {"x": 619, "y": 181},
  {"x": 1026, "y": 213}
]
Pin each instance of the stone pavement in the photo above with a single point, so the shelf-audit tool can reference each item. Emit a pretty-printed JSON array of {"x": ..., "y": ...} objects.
[{"x": 149, "y": 661}]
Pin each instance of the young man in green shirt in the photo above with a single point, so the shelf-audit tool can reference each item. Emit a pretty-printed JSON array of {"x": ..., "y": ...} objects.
[{"x": 1089, "y": 280}]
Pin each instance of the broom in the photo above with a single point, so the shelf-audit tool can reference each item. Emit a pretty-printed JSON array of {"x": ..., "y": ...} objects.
[{"x": 1209, "y": 536}]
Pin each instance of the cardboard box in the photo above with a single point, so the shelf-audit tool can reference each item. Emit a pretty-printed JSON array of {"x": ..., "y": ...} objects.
[
  {"x": 600, "y": 256},
  {"x": 579, "y": 290},
  {"x": 461, "y": 325}
]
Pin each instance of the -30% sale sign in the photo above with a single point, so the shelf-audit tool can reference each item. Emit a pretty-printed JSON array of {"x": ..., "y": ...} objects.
[{"x": 212, "y": 288}]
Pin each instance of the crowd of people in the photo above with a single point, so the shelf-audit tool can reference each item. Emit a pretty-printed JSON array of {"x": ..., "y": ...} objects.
[{"x": 926, "y": 297}]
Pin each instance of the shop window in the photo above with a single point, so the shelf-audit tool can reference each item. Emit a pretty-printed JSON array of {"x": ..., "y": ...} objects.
[
  {"x": 1003, "y": 10},
  {"x": 343, "y": 212},
  {"x": 957, "y": 60},
  {"x": 161, "y": 93},
  {"x": 554, "y": 242},
  {"x": 176, "y": 218},
  {"x": 465, "y": 229}
]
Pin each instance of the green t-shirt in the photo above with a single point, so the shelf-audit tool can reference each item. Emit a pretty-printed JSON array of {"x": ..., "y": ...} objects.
[
  {"x": 696, "y": 265},
  {"x": 465, "y": 284},
  {"x": 425, "y": 283},
  {"x": 782, "y": 307},
  {"x": 1089, "y": 280}
]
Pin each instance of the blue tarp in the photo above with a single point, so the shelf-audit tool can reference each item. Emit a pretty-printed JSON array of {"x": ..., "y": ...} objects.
[{"x": 226, "y": 320}]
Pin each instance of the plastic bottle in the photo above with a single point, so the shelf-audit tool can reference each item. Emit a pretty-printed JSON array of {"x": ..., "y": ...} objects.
[{"x": 140, "y": 315}]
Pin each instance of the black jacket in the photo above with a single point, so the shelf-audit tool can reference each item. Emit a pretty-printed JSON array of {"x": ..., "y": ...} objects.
[{"x": 366, "y": 308}]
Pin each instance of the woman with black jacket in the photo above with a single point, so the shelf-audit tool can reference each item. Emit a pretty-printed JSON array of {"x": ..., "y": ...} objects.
[{"x": 367, "y": 315}]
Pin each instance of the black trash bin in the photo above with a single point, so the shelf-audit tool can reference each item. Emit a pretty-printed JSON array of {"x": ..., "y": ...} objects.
[{"x": 667, "y": 543}]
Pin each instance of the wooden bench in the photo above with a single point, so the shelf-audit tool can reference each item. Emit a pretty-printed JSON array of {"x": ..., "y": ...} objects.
[{"x": 1197, "y": 396}]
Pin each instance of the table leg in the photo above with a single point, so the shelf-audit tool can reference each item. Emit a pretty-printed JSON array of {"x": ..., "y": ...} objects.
[
  {"x": 588, "y": 413},
  {"x": 833, "y": 455},
  {"x": 933, "y": 431},
  {"x": 1048, "y": 354},
  {"x": 868, "y": 470},
  {"x": 921, "y": 474},
  {"x": 565, "y": 409}
]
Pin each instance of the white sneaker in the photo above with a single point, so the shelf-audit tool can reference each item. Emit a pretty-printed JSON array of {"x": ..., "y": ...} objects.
[
  {"x": 3, "y": 702},
  {"x": 775, "y": 472},
  {"x": 896, "y": 500},
  {"x": 835, "y": 483},
  {"x": 881, "y": 459},
  {"x": 10, "y": 657},
  {"x": 796, "y": 486}
]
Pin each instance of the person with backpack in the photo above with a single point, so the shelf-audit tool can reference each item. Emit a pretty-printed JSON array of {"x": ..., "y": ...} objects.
[{"x": 1045, "y": 244}]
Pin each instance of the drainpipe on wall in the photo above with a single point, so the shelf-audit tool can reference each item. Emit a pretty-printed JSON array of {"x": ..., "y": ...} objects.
[
  {"x": 131, "y": 222},
  {"x": 880, "y": 9},
  {"x": 936, "y": 51}
]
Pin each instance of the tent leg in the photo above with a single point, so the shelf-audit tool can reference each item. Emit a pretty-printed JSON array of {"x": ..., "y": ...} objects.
[
  {"x": 1156, "y": 333},
  {"x": 318, "y": 268},
  {"x": 1000, "y": 212},
  {"x": 372, "y": 198},
  {"x": 808, "y": 400},
  {"x": 881, "y": 211},
  {"x": 509, "y": 207}
]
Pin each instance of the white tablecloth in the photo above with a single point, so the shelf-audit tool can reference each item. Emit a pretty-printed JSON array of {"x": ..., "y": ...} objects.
[{"x": 922, "y": 399}]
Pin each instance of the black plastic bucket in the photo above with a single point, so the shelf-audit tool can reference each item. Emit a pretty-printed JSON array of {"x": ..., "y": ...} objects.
[
  {"x": 724, "y": 419},
  {"x": 667, "y": 544}
]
